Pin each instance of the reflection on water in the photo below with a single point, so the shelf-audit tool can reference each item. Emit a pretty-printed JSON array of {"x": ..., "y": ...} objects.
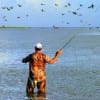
[
  {"x": 36, "y": 96},
  {"x": 76, "y": 75}
]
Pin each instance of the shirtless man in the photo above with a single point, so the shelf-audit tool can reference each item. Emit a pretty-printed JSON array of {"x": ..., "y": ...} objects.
[{"x": 37, "y": 75}]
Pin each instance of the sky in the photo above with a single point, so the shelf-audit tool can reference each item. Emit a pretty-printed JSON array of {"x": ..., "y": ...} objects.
[{"x": 49, "y": 13}]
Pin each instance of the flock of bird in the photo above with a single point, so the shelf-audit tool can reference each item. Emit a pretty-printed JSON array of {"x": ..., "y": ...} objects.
[
  {"x": 9, "y": 9},
  {"x": 91, "y": 6}
]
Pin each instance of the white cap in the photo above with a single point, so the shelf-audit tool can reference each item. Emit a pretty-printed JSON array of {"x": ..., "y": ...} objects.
[{"x": 39, "y": 46}]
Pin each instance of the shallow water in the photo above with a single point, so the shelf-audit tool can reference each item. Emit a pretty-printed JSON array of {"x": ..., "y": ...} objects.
[{"x": 76, "y": 75}]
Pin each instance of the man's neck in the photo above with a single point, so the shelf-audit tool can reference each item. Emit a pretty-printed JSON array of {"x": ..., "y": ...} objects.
[{"x": 38, "y": 51}]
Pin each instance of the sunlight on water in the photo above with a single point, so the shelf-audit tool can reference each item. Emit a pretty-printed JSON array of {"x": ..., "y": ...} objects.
[
  {"x": 92, "y": 33},
  {"x": 4, "y": 57}
]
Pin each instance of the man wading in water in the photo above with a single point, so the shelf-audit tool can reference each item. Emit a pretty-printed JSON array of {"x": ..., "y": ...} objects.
[{"x": 37, "y": 74}]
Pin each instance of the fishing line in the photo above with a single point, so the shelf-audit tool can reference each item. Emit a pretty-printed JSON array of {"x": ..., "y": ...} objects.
[{"x": 68, "y": 42}]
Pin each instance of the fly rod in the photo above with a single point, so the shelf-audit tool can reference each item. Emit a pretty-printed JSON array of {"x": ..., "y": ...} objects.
[{"x": 69, "y": 41}]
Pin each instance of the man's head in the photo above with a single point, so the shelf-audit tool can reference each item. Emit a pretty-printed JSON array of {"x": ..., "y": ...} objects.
[{"x": 38, "y": 46}]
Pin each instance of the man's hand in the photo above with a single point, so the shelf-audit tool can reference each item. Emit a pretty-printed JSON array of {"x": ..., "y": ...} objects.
[{"x": 59, "y": 52}]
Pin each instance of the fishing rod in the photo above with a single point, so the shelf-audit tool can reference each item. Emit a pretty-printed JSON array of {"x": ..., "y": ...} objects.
[{"x": 69, "y": 40}]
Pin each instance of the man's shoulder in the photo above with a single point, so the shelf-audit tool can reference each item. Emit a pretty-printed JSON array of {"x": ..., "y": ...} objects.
[
  {"x": 30, "y": 54},
  {"x": 43, "y": 54}
]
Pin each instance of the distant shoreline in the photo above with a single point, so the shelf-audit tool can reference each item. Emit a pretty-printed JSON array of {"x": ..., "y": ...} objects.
[
  {"x": 45, "y": 27},
  {"x": 12, "y": 27},
  {"x": 88, "y": 29}
]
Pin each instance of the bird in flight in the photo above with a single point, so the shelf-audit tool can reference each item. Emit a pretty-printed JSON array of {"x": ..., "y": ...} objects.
[
  {"x": 19, "y": 5},
  {"x": 91, "y": 6},
  {"x": 42, "y": 10},
  {"x": 42, "y": 4}
]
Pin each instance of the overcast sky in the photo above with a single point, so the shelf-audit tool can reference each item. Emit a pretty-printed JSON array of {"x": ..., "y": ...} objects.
[{"x": 48, "y": 13}]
